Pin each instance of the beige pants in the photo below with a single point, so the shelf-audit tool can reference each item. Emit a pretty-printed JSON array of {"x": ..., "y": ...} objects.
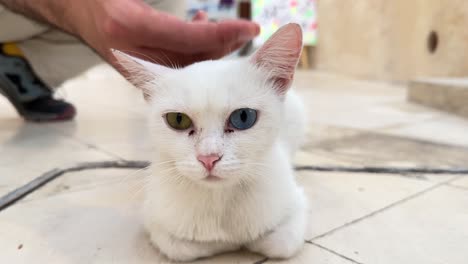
[{"x": 55, "y": 55}]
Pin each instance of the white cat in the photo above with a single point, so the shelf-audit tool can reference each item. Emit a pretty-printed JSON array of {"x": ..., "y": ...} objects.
[{"x": 225, "y": 132}]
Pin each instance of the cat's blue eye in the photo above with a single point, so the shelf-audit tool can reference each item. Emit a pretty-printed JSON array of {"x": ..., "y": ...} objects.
[{"x": 243, "y": 118}]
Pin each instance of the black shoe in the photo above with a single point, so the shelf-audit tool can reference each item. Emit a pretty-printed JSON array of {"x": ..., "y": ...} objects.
[
  {"x": 29, "y": 95},
  {"x": 48, "y": 109}
]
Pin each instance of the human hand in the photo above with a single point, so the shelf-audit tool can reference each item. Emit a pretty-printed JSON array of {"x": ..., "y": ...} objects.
[{"x": 136, "y": 28}]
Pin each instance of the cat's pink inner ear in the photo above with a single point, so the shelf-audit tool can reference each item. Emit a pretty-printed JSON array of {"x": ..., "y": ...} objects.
[
  {"x": 137, "y": 71},
  {"x": 279, "y": 56}
]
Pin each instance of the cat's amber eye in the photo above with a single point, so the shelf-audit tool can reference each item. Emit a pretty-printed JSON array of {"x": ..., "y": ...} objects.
[
  {"x": 243, "y": 118},
  {"x": 178, "y": 121}
]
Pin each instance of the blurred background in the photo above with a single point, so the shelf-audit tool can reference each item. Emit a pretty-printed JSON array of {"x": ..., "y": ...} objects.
[{"x": 417, "y": 43}]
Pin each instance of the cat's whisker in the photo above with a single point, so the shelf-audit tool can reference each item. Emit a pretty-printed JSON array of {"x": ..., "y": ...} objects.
[
  {"x": 162, "y": 163},
  {"x": 133, "y": 190},
  {"x": 170, "y": 62},
  {"x": 144, "y": 181},
  {"x": 134, "y": 173},
  {"x": 141, "y": 55},
  {"x": 255, "y": 163},
  {"x": 164, "y": 61},
  {"x": 245, "y": 182},
  {"x": 167, "y": 175},
  {"x": 114, "y": 180},
  {"x": 138, "y": 182},
  {"x": 104, "y": 183},
  {"x": 135, "y": 193}
]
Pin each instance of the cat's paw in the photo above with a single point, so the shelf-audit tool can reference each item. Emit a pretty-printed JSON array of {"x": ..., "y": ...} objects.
[
  {"x": 280, "y": 244},
  {"x": 287, "y": 239},
  {"x": 177, "y": 250},
  {"x": 183, "y": 250}
]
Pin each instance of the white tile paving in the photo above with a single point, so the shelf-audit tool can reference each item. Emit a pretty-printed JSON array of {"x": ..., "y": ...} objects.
[
  {"x": 432, "y": 228},
  {"x": 339, "y": 198},
  {"x": 92, "y": 216}
]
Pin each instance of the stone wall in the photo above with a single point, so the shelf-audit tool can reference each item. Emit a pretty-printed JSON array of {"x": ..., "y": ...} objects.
[{"x": 389, "y": 40}]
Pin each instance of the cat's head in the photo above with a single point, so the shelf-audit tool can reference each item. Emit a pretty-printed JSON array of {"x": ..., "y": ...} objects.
[{"x": 215, "y": 122}]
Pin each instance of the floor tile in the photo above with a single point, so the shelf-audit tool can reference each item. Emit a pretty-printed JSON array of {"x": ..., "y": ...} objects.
[
  {"x": 318, "y": 158},
  {"x": 102, "y": 86},
  {"x": 445, "y": 129},
  {"x": 42, "y": 156},
  {"x": 336, "y": 199},
  {"x": 11, "y": 177},
  {"x": 318, "y": 133},
  {"x": 34, "y": 149},
  {"x": 462, "y": 182},
  {"x": 7, "y": 112},
  {"x": 90, "y": 179},
  {"x": 339, "y": 101},
  {"x": 368, "y": 148},
  {"x": 128, "y": 139},
  {"x": 38, "y": 146},
  {"x": 430, "y": 229},
  {"x": 339, "y": 147},
  {"x": 117, "y": 125},
  {"x": 312, "y": 254},
  {"x": 312, "y": 154}
]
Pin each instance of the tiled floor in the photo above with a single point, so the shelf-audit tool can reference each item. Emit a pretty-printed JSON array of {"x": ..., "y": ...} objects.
[{"x": 92, "y": 216}]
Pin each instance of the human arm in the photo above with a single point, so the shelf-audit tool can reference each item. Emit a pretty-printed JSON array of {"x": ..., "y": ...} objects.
[{"x": 135, "y": 27}]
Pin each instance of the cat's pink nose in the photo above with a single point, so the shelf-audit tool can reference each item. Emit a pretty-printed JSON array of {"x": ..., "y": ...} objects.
[{"x": 208, "y": 161}]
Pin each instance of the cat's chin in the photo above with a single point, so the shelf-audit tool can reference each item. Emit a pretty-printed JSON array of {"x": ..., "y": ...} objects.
[
  {"x": 214, "y": 181},
  {"x": 212, "y": 178}
]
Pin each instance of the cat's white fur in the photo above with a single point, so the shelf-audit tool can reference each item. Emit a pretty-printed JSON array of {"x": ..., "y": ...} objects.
[{"x": 257, "y": 204}]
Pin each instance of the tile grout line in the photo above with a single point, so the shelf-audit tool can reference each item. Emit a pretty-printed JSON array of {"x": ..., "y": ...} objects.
[
  {"x": 76, "y": 190},
  {"x": 400, "y": 171},
  {"x": 382, "y": 132},
  {"x": 333, "y": 252},
  {"x": 24, "y": 190},
  {"x": 406, "y": 199}
]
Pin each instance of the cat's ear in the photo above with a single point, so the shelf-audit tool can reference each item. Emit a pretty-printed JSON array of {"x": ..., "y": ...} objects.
[
  {"x": 139, "y": 72},
  {"x": 279, "y": 56}
]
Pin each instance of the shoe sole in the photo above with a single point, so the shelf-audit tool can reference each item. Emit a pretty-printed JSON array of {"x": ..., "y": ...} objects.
[{"x": 12, "y": 96}]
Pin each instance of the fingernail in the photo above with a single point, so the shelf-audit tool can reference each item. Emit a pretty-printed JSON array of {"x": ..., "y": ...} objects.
[
  {"x": 249, "y": 33},
  {"x": 257, "y": 29}
]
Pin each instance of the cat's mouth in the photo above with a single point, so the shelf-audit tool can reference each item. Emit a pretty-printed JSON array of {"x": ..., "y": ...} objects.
[{"x": 212, "y": 178}]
